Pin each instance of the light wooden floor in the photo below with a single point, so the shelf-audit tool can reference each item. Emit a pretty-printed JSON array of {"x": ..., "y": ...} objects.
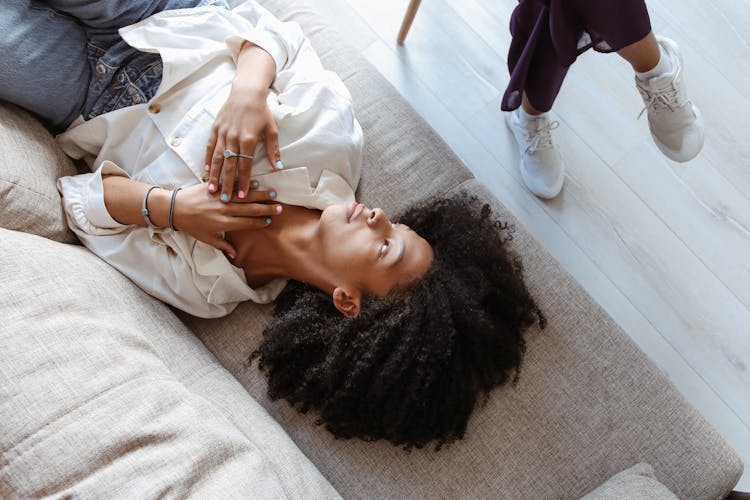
[{"x": 664, "y": 247}]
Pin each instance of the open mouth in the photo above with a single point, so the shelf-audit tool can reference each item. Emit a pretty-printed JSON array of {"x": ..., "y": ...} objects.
[{"x": 354, "y": 210}]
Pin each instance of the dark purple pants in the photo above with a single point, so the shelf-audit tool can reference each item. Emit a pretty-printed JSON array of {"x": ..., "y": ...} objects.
[{"x": 548, "y": 35}]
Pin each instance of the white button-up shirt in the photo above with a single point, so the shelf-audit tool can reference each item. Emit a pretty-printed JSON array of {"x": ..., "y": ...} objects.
[{"x": 163, "y": 142}]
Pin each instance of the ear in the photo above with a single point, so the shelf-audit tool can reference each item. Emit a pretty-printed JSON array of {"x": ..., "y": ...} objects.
[{"x": 348, "y": 302}]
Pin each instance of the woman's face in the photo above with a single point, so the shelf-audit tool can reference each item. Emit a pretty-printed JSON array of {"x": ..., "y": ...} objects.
[{"x": 372, "y": 252}]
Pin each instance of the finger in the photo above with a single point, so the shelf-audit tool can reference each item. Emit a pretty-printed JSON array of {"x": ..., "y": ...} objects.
[
  {"x": 255, "y": 196},
  {"x": 221, "y": 244},
  {"x": 254, "y": 209},
  {"x": 217, "y": 162},
  {"x": 211, "y": 147},
  {"x": 272, "y": 146},
  {"x": 247, "y": 145},
  {"x": 229, "y": 170},
  {"x": 243, "y": 223}
]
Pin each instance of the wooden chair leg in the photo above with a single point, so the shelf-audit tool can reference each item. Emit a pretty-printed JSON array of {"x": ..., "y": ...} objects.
[{"x": 408, "y": 18}]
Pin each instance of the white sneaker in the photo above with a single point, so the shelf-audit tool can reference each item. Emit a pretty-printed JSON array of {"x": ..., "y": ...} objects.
[
  {"x": 676, "y": 124},
  {"x": 542, "y": 166}
]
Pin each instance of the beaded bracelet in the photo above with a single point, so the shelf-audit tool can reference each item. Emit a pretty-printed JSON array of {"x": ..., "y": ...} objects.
[
  {"x": 171, "y": 209},
  {"x": 144, "y": 208}
]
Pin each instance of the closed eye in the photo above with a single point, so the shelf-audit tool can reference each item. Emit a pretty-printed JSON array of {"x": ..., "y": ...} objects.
[{"x": 384, "y": 247}]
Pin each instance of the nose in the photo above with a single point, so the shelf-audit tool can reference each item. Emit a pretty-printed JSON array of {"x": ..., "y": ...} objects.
[{"x": 376, "y": 218}]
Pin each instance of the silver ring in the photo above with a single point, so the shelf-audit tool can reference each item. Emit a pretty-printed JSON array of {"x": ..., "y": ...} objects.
[{"x": 228, "y": 153}]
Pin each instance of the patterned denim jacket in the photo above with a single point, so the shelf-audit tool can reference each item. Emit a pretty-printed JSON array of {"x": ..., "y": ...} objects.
[{"x": 122, "y": 76}]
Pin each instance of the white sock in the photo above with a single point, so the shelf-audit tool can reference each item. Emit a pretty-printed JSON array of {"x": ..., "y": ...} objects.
[
  {"x": 524, "y": 118},
  {"x": 662, "y": 67}
]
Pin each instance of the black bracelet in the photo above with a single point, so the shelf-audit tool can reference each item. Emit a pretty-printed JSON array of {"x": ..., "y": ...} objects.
[{"x": 171, "y": 209}]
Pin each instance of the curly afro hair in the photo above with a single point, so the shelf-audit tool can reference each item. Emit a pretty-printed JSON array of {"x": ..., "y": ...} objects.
[{"x": 411, "y": 366}]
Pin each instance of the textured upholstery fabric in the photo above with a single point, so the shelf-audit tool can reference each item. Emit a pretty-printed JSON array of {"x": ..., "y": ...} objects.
[
  {"x": 30, "y": 163},
  {"x": 104, "y": 393},
  {"x": 636, "y": 483}
]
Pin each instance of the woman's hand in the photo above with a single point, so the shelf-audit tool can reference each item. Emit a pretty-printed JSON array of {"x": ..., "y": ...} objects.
[
  {"x": 201, "y": 214},
  {"x": 242, "y": 122}
]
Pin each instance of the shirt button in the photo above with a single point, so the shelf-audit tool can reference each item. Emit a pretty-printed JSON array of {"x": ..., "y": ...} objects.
[
  {"x": 176, "y": 141},
  {"x": 154, "y": 108}
]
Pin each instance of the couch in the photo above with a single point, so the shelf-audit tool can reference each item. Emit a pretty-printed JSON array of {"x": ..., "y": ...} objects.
[{"x": 106, "y": 392}]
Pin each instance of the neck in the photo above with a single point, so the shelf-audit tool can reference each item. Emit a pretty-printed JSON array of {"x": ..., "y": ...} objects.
[{"x": 288, "y": 248}]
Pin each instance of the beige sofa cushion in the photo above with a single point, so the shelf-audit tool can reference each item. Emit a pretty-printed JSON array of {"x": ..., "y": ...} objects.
[
  {"x": 30, "y": 163},
  {"x": 104, "y": 393},
  {"x": 636, "y": 483}
]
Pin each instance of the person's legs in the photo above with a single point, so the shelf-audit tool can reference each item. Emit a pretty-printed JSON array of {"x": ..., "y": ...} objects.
[
  {"x": 121, "y": 75},
  {"x": 43, "y": 64},
  {"x": 102, "y": 18},
  {"x": 528, "y": 107},
  {"x": 624, "y": 26},
  {"x": 542, "y": 166},
  {"x": 642, "y": 55},
  {"x": 46, "y": 56},
  {"x": 675, "y": 122},
  {"x": 536, "y": 76}
]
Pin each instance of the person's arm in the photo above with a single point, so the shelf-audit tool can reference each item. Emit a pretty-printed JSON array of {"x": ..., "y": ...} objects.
[
  {"x": 242, "y": 122},
  {"x": 123, "y": 198},
  {"x": 195, "y": 210},
  {"x": 169, "y": 265},
  {"x": 261, "y": 50}
]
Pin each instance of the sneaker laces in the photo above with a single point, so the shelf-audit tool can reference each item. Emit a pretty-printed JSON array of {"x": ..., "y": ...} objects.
[
  {"x": 543, "y": 138},
  {"x": 667, "y": 98}
]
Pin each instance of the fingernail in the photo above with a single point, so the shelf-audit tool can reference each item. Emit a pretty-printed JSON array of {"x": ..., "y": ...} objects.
[
  {"x": 278, "y": 209},
  {"x": 231, "y": 256},
  {"x": 241, "y": 194},
  {"x": 255, "y": 184},
  {"x": 279, "y": 165},
  {"x": 268, "y": 220},
  {"x": 224, "y": 197},
  {"x": 207, "y": 167},
  {"x": 272, "y": 194},
  {"x": 211, "y": 188}
]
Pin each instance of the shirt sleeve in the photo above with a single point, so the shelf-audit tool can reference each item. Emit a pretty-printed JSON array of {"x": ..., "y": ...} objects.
[
  {"x": 83, "y": 201},
  {"x": 188, "y": 38},
  {"x": 280, "y": 39},
  {"x": 160, "y": 261}
]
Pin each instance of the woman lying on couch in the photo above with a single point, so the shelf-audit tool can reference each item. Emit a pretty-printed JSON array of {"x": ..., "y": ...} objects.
[{"x": 389, "y": 330}]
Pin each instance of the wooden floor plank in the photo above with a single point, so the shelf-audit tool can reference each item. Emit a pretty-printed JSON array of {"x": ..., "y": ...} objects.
[
  {"x": 353, "y": 28},
  {"x": 704, "y": 210},
  {"x": 645, "y": 260},
  {"x": 443, "y": 56},
  {"x": 723, "y": 34}
]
